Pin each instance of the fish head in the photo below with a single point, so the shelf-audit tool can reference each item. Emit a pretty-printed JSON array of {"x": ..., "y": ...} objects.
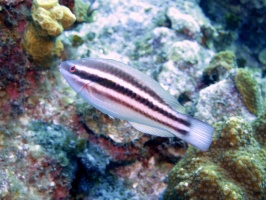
[{"x": 71, "y": 70}]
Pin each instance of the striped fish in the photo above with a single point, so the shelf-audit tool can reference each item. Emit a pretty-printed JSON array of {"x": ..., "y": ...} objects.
[{"x": 126, "y": 93}]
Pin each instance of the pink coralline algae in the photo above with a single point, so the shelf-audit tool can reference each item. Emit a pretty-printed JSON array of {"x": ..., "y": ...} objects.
[{"x": 14, "y": 63}]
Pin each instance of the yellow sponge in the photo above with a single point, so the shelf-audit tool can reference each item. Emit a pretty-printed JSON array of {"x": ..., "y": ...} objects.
[
  {"x": 40, "y": 49},
  {"x": 46, "y": 4},
  {"x": 49, "y": 20},
  {"x": 51, "y": 16}
]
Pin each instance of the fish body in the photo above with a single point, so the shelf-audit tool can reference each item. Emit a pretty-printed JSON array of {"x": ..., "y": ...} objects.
[{"x": 126, "y": 93}]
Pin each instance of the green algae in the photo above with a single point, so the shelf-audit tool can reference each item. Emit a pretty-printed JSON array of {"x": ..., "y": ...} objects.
[
  {"x": 76, "y": 40},
  {"x": 249, "y": 89},
  {"x": 58, "y": 142}
]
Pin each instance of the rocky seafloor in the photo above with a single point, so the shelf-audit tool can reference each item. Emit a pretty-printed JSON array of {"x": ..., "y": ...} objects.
[{"x": 210, "y": 55}]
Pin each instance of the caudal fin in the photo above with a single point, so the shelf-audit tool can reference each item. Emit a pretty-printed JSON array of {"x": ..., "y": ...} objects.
[{"x": 200, "y": 134}]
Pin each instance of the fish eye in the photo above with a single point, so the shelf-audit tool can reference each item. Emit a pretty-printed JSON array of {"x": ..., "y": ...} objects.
[{"x": 72, "y": 68}]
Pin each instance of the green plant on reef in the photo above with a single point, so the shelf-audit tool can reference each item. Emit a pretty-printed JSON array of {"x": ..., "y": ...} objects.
[
  {"x": 249, "y": 89},
  {"x": 233, "y": 168},
  {"x": 219, "y": 67}
]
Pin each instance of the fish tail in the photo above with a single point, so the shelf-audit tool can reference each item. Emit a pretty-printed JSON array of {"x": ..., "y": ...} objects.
[{"x": 200, "y": 134}]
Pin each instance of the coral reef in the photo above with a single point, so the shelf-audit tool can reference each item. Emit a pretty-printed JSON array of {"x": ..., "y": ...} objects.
[
  {"x": 219, "y": 67},
  {"x": 249, "y": 89},
  {"x": 84, "y": 10},
  {"x": 240, "y": 27},
  {"x": 31, "y": 166},
  {"x": 233, "y": 168},
  {"x": 57, "y": 141},
  {"x": 93, "y": 180},
  {"x": 183, "y": 23},
  {"x": 259, "y": 127},
  {"x": 53, "y": 146},
  {"x": 49, "y": 20},
  {"x": 15, "y": 79},
  {"x": 184, "y": 51},
  {"x": 27, "y": 171},
  {"x": 220, "y": 101}
]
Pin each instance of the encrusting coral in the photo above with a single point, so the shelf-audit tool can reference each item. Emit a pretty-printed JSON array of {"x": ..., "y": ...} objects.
[
  {"x": 233, "y": 168},
  {"x": 49, "y": 20},
  {"x": 259, "y": 127},
  {"x": 249, "y": 89}
]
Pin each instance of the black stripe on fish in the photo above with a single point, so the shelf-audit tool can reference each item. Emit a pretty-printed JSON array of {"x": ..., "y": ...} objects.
[
  {"x": 127, "y": 78},
  {"x": 114, "y": 98},
  {"x": 125, "y": 91}
]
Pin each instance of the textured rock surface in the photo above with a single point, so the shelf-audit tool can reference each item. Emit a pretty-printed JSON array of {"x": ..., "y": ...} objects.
[{"x": 220, "y": 101}]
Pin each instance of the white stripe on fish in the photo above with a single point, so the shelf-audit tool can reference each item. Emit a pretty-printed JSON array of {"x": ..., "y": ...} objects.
[
  {"x": 126, "y": 93},
  {"x": 130, "y": 86}
]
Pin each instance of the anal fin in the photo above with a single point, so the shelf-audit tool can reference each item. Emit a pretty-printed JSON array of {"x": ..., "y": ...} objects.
[{"x": 151, "y": 130}]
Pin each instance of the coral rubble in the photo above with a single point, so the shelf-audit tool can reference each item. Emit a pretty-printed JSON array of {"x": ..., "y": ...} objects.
[{"x": 233, "y": 168}]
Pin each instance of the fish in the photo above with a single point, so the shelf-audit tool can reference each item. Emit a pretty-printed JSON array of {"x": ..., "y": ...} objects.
[{"x": 124, "y": 92}]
